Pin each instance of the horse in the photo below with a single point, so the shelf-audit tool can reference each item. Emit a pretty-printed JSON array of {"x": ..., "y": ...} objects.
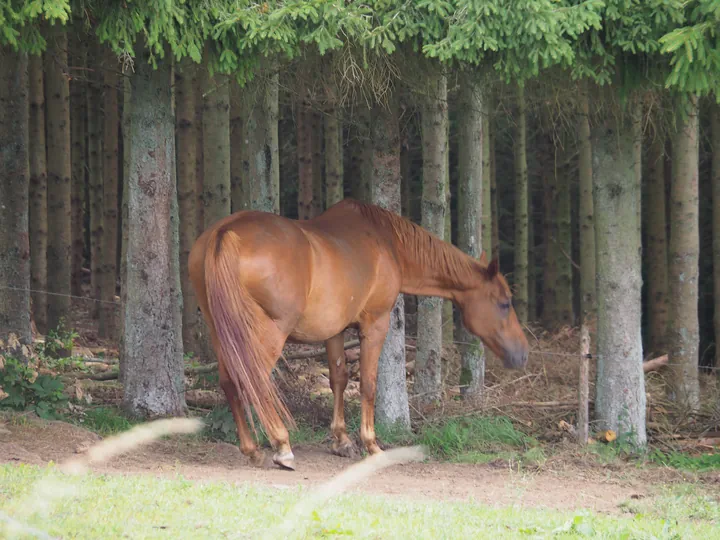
[{"x": 262, "y": 280}]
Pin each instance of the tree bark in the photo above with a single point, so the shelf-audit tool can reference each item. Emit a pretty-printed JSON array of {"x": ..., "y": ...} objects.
[
  {"x": 334, "y": 187},
  {"x": 38, "y": 194},
  {"x": 587, "y": 220},
  {"x": 657, "y": 254},
  {"x": 305, "y": 161},
  {"x": 391, "y": 402},
  {"x": 620, "y": 384},
  {"x": 448, "y": 324},
  {"x": 428, "y": 376},
  {"x": 715, "y": 119},
  {"x": 185, "y": 80},
  {"x": 472, "y": 167},
  {"x": 520, "y": 269},
  {"x": 57, "y": 90},
  {"x": 240, "y": 139},
  {"x": 495, "y": 214},
  {"x": 684, "y": 250},
  {"x": 550, "y": 268},
  {"x": 563, "y": 240},
  {"x": 107, "y": 327},
  {"x": 14, "y": 198},
  {"x": 487, "y": 200},
  {"x": 316, "y": 137},
  {"x": 78, "y": 104},
  {"x": 216, "y": 148},
  {"x": 265, "y": 185},
  {"x": 95, "y": 176},
  {"x": 154, "y": 377},
  {"x": 126, "y": 132}
]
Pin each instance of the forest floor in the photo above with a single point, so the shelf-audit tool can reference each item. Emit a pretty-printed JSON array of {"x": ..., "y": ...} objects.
[{"x": 518, "y": 450}]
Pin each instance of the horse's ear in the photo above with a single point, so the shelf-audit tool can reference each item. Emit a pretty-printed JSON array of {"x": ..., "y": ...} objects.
[
  {"x": 483, "y": 257},
  {"x": 493, "y": 268}
]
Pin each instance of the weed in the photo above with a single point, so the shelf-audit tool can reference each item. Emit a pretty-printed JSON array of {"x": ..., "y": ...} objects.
[
  {"x": 58, "y": 342},
  {"x": 26, "y": 390}
]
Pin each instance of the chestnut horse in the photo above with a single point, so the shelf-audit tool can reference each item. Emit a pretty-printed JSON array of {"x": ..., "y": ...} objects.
[{"x": 262, "y": 279}]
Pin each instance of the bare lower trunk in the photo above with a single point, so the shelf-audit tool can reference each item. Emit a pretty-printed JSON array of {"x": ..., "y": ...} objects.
[
  {"x": 14, "y": 195},
  {"x": 38, "y": 194},
  {"x": 520, "y": 270},
  {"x": 494, "y": 214},
  {"x": 126, "y": 131},
  {"x": 587, "y": 220},
  {"x": 364, "y": 180},
  {"x": 716, "y": 226},
  {"x": 333, "y": 153},
  {"x": 107, "y": 327},
  {"x": 265, "y": 186},
  {"x": 305, "y": 161},
  {"x": 185, "y": 79},
  {"x": 428, "y": 381},
  {"x": 391, "y": 405},
  {"x": 318, "y": 202},
  {"x": 154, "y": 377},
  {"x": 57, "y": 88},
  {"x": 657, "y": 254},
  {"x": 448, "y": 324},
  {"x": 95, "y": 176},
  {"x": 620, "y": 385},
  {"x": 487, "y": 210},
  {"x": 684, "y": 249},
  {"x": 550, "y": 266},
  {"x": 78, "y": 104},
  {"x": 472, "y": 164},
  {"x": 563, "y": 240},
  {"x": 239, "y": 156}
]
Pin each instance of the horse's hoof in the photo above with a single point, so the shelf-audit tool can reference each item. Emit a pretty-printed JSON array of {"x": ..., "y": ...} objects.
[
  {"x": 257, "y": 458},
  {"x": 346, "y": 450},
  {"x": 285, "y": 461}
]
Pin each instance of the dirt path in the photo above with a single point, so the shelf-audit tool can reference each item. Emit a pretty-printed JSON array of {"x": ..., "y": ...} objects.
[{"x": 569, "y": 488}]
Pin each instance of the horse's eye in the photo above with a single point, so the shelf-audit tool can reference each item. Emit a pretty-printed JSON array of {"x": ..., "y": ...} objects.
[{"x": 505, "y": 306}]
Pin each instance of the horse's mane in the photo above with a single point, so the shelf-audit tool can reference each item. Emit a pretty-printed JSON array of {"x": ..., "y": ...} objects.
[{"x": 415, "y": 244}]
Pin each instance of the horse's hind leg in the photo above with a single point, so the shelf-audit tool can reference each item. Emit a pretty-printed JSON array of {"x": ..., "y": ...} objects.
[
  {"x": 342, "y": 445},
  {"x": 247, "y": 444}
]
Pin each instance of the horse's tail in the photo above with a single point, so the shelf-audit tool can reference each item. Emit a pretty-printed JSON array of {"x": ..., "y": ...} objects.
[{"x": 239, "y": 331}]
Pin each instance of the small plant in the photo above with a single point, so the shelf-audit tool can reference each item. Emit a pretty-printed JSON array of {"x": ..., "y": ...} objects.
[
  {"x": 58, "y": 342},
  {"x": 24, "y": 389}
]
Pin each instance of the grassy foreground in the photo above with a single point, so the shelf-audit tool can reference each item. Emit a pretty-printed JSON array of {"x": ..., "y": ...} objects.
[{"x": 114, "y": 506}]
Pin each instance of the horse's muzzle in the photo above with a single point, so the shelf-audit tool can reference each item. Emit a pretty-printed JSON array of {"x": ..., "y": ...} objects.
[{"x": 515, "y": 357}]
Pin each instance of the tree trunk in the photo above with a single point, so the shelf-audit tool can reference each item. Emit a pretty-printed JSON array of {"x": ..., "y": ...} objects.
[
  {"x": 305, "y": 161},
  {"x": 550, "y": 268},
  {"x": 563, "y": 240},
  {"x": 684, "y": 249},
  {"x": 495, "y": 213},
  {"x": 316, "y": 136},
  {"x": 391, "y": 403},
  {"x": 265, "y": 185},
  {"x": 216, "y": 148},
  {"x": 620, "y": 384},
  {"x": 95, "y": 177},
  {"x": 434, "y": 140},
  {"x": 334, "y": 188},
  {"x": 154, "y": 376},
  {"x": 107, "y": 327},
  {"x": 185, "y": 80},
  {"x": 57, "y": 90},
  {"x": 14, "y": 197},
  {"x": 126, "y": 131},
  {"x": 78, "y": 104},
  {"x": 472, "y": 167},
  {"x": 587, "y": 220},
  {"x": 487, "y": 200},
  {"x": 239, "y": 141},
  {"x": 199, "y": 169},
  {"x": 38, "y": 194},
  {"x": 520, "y": 269},
  {"x": 715, "y": 118},
  {"x": 657, "y": 254},
  {"x": 448, "y": 324}
]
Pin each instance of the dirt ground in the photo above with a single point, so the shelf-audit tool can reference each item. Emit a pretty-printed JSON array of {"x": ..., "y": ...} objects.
[{"x": 569, "y": 487}]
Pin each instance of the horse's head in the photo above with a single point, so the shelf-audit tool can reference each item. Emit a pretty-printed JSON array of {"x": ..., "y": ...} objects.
[{"x": 488, "y": 313}]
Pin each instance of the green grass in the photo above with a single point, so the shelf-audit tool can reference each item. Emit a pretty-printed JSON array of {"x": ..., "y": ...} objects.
[{"x": 100, "y": 506}]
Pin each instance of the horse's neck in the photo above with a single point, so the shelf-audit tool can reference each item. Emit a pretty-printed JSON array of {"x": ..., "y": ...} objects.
[{"x": 431, "y": 267}]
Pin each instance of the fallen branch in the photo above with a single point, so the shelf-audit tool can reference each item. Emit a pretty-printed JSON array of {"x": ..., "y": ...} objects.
[{"x": 655, "y": 363}]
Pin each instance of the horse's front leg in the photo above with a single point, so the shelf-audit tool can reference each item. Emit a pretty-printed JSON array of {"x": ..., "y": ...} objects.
[
  {"x": 372, "y": 339},
  {"x": 342, "y": 445}
]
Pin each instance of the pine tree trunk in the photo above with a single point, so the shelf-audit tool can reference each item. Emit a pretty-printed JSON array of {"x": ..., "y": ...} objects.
[
  {"x": 265, "y": 186},
  {"x": 657, "y": 254},
  {"x": 487, "y": 200},
  {"x": 520, "y": 269},
  {"x": 620, "y": 384},
  {"x": 334, "y": 187},
  {"x": 448, "y": 324},
  {"x": 154, "y": 377},
  {"x": 126, "y": 131},
  {"x": 14, "y": 197},
  {"x": 316, "y": 136},
  {"x": 57, "y": 90},
  {"x": 216, "y": 148},
  {"x": 78, "y": 104},
  {"x": 406, "y": 174},
  {"x": 495, "y": 213},
  {"x": 587, "y": 220},
  {"x": 185, "y": 80},
  {"x": 107, "y": 327},
  {"x": 95, "y": 176},
  {"x": 472, "y": 165},
  {"x": 563, "y": 246},
  {"x": 684, "y": 250},
  {"x": 715, "y": 119},
  {"x": 391, "y": 402},
  {"x": 305, "y": 161},
  {"x": 38, "y": 193},
  {"x": 239, "y": 141},
  {"x": 550, "y": 268},
  {"x": 428, "y": 362},
  {"x": 199, "y": 170}
]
